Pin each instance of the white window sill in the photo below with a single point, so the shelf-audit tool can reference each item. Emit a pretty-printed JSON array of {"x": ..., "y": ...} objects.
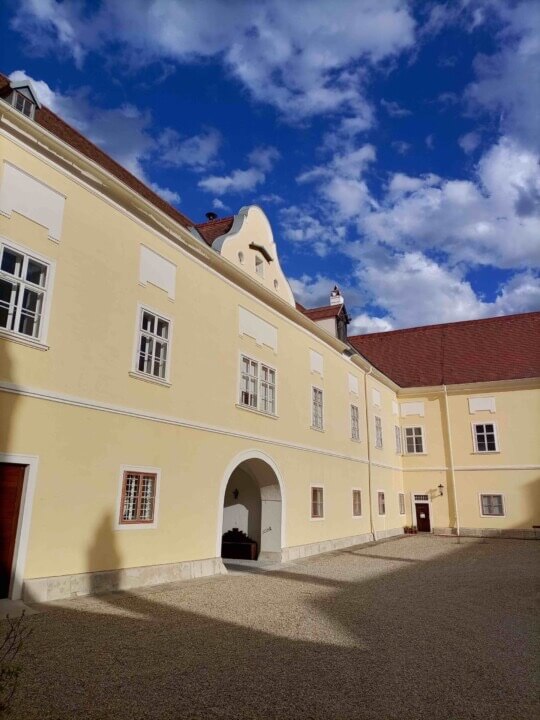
[
  {"x": 136, "y": 526},
  {"x": 149, "y": 378},
  {"x": 315, "y": 519},
  {"x": 486, "y": 452},
  {"x": 357, "y": 517},
  {"x": 493, "y": 516},
  {"x": 23, "y": 340},
  {"x": 257, "y": 412},
  {"x": 413, "y": 454},
  {"x": 317, "y": 428},
  {"x": 356, "y": 440}
]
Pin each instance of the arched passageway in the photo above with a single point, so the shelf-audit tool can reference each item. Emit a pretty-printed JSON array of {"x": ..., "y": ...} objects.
[{"x": 252, "y": 511}]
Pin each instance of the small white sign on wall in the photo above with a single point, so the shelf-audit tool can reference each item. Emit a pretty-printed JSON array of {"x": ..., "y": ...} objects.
[
  {"x": 316, "y": 362},
  {"x": 395, "y": 407},
  {"x": 353, "y": 384},
  {"x": 257, "y": 328},
  {"x": 412, "y": 408},
  {"x": 376, "y": 397},
  {"x": 481, "y": 404},
  {"x": 157, "y": 270}
]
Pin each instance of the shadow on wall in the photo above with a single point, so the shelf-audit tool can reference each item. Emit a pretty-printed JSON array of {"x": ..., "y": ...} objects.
[
  {"x": 103, "y": 558},
  {"x": 7, "y": 499},
  {"x": 531, "y": 493}
]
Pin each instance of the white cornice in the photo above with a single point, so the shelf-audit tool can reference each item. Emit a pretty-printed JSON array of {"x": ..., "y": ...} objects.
[{"x": 494, "y": 385}]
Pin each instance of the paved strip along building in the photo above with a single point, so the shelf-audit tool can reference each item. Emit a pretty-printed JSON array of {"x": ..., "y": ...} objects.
[{"x": 160, "y": 387}]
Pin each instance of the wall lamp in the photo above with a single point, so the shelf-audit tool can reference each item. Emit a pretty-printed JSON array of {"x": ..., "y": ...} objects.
[{"x": 440, "y": 488}]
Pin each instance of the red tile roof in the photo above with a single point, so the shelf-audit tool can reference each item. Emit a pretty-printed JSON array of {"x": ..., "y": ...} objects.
[
  {"x": 321, "y": 313},
  {"x": 58, "y": 127},
  {"x": 213, "y": 229},
  {"x": 499, "y": 348}
]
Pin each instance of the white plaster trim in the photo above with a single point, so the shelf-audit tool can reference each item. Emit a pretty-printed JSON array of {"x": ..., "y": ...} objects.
[
  {"x": 231, "y": 467},
  {"x": 25, "y": 516},
  {"x": 383, "y": 493},
  {"x": 404, "y": 440},
  {"x": 134, "y": 371},
  {"x": 415, "y": 502},
  {"x": 260, "y": 362},
  {"x": 496, "y": 467},
  {"x": 357, "y": 517},
  {"x": 427, "y": 469},
  {"x": 476, "y": 451},
  {"x": 137, "y": 526}
]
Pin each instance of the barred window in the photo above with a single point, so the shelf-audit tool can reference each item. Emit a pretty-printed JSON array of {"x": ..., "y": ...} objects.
[
  {"x": 317, "y": 408},
  {"x": 138, "y": 497},
  {"x": 153, "y": 345},
  {"x": 317, "y": 502},
  {"x": 381, "y": 503},
  {"x": 414, "y": 440},
  {"x": 378, "y": 432},
  {"x": 355, "y": 427},
  {"x": 356, "y": 503},
  {"x": 23, "y": 288},
  {"x": 485, "y": 437},
  {"x": 492, "y": 505},
  {"x": 401, "y": 497},
  {"x": 257, "y": 385}
]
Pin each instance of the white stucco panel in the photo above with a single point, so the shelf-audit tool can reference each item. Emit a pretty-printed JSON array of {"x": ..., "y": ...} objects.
[
  {"x": 412, "y": 408},
  {"x": 316, "y": 362},
  {"x": 257, "y": 328},
  {"x": 395, "y": 408},
  {"x": 158, "y": 271},
  {"x": 481, "y": 404},
  {"x": 22, "y": 193},
  {"x": 353, "y": 384},
  {"x": 376, "y": 397}
]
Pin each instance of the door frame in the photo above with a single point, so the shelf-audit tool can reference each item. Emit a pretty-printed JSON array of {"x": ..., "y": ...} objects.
[
  {"x": 23, "y": 523},
  {"x": 415, "y": 502}
]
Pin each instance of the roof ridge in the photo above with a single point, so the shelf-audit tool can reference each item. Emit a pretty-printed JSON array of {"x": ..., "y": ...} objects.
[
  {"x": 214, "y": 221},
  {"x": 416, "y": 328}
]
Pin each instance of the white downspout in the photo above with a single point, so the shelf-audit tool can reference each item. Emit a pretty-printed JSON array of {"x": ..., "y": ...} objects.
[
  {"x": 368, "y": 440},
  {"x": 451, "y": 459}
]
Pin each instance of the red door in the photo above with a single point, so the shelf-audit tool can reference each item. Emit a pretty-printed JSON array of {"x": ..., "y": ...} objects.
[
  {"x": 11, "y": 485},
  {"x": 423, "y": 522}
]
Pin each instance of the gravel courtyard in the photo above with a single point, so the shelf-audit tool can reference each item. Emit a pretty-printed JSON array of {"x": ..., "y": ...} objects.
[{"x": 420, "y": 627}]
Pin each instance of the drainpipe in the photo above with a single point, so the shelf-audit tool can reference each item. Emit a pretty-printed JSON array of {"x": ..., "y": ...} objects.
[
  {"x": 451, "y": 458},
  {"x": 369, "y": 453}
]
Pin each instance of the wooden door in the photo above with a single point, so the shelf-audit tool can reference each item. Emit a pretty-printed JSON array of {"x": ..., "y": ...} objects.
[
  {"x": 11, "y": 485},
  {"x": 423, "y": 522}
]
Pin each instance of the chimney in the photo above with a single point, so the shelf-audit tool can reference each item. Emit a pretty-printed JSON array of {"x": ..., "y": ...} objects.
[
  {"x": 336, "y": 298},
  {"x": 211, "y": 215}
]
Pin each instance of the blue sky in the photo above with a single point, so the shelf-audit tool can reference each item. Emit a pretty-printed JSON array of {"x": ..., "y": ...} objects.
[{"x": 394, "y": 145}]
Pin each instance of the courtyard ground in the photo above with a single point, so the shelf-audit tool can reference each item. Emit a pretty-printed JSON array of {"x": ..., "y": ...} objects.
[{"x": 420, "y": 627}]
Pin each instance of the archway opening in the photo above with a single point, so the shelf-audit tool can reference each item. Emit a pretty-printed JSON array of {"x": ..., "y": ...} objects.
[{"x": 252, "y": 510}]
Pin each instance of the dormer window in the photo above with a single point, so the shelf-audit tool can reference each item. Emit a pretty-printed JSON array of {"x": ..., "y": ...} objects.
[
  {"x": 23, "y": 98},
  {"x": 259, "y": 266}
]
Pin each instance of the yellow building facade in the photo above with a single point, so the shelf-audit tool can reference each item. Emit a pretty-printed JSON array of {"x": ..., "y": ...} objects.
[{"x": 157, "y": 391}]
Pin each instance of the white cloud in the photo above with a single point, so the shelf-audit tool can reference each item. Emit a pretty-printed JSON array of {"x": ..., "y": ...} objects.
[
  {"x": 264, "y": 157},
  {"x": 314, "y": 291},
  {"x": 412, "y": 289},
  {"x": 123, "y": 132},
  {"x": 287, "y": 54},
  {"x": 507, "y": 81},
  {"x": 401, "y": 146},
  {"x": 469, "y": 142},
  {"x": 197, "y": 152},
  {"x": 218, "y": 204},
  {"x": 300, "y": 227},
  {"x": 237, "y": 181},
  {"x": 394, "y": 109}
]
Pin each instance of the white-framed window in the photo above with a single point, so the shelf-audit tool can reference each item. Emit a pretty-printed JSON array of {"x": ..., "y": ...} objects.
[
  {"x": 355, "y": 424},
  {"x": 401, "y": 498},
  {"x": 397, "y": 434},
  {"x": 485, "y": 437},
  {"x": 491, "y": 505},
  {"x": 317, "y": 502},
  {"x": 381, "y": 502},
  {"x": 414, "y": 440},
  {"x": 378, "y": 432},
  {"x": 24, "y": 285},
  {"x": 257, "y": 385},
  {"x": 356, "y": 502},
  {"x": 153, "y": 344},
  {"x": 259, "y": 265},
  {"x": 317, "y": 418},
  {"x": 138, "y": 497},
  {"x": 23, "y": 104}
]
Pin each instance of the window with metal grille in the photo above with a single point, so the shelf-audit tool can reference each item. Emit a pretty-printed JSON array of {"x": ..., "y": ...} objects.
[
  {"x": 414, "y": 440},
  {"x": 378, "y": 432},
  {"x": 397, "y": 433},
  {"x": 23, "y": 288},
  {"x": 317, "y": 408},
  {"x": 492, "y": 505},
  {"x": 355, "y": 427},
  {"x": 421, "y": 498},
  {"x": 485, "y": 437},
  {"x": 356, "y": 503},
  {"x": 257, "y": 385},
  {"x": 138, "y": 497},
  {"x": 382, "y": 503},
  {"x": 401, "y": 497},
  {"x": 317, "y": 502},
  {"x": 154, "y": 334}
]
